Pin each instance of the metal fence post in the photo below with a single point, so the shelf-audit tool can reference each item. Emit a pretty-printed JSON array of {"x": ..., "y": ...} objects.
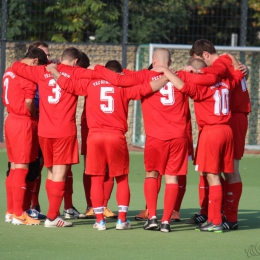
[
  {"x": 243, "y": 27},
  {"x": 125, "y": 33},
  {"x": 3, "y": 58}
]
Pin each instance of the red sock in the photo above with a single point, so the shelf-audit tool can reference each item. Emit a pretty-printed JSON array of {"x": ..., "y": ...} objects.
[
  {"x": 36, "y": 189},
  {"x": 122, "y": 196},
  {"x": 181, "y": 191},
  {"x": 97, "y": 195},
  {"x": 108, "y": 187},
  {"x": 68, "y": 190},
  {"x": 214, "y": 207},
  {"x": 56, "y": 193},
  {"x": 233, "y": 194},
  {"x": 203, "y": 195},
  {"x": 87, "y": 187},
  {"x": 47, "y": 187},
  {"x": 9, "y": 191},
  {"x": 170, "y": 198},
  {"x": 159, "y": 182},
  {"x": 19, "y": 189},
  {"x": 28, "y": 195},
  {"x": 151, "y": 195},
  {"x": 223, "y": 184}
]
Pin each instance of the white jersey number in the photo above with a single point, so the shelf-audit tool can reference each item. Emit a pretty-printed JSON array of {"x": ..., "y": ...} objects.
[
  {"x": 6, "y": 83},
  {"x": 168, "y": 92},
  {"x": 56, "y": 90},
  {"x": 221, "y": 105},
  {"x": 109, "y": 107}
]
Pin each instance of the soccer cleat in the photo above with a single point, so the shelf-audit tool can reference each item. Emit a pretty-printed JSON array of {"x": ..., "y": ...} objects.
[
  {"x": 33, "y": 213},
  {"x": 120, "y": 225},
  {"x": 197, "y": 219},
  {"x": 143, "y": 215},
  {"x": 108, "y": 213},
  {"x": 57, "y": 222},
  {"x": 24, "y": 219},
  {"x": 175, "y": 216},
  {"x": 100, "y": 226},
  {"x": 210, "y": 227},
  {"x": 90, "y": 213},
  {"x": 227, "y": 225},
  {"x": 151, "y": 224},
  {"x": 165, "y": 227},
  {"x": 72, "y": 213},
  {"x": 8, "y": 217},
  {"x": 38, "y": 208}
]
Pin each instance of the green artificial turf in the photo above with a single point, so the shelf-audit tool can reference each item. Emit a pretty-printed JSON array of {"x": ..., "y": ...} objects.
[{"x": 83, "y": 242}]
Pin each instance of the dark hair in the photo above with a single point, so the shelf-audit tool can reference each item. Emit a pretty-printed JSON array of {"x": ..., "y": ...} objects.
[
  {"x": 114, "y": 65},
  {"x": 70, "y": 53},
  {"x": 37, "y": 53},
  {"x": 200, "y": 46},
  {"x": 83, "y": 60},
  {"x": 37, "y": 44},
  {"x": 150, "y": 67}
]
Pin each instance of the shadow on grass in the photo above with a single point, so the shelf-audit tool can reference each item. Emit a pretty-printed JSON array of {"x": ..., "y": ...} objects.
[{"x": 248, "y": 220}]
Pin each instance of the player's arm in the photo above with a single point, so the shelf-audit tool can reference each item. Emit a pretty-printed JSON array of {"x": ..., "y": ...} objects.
[
  {"x": 29, "y": 72},
  {"x": 201, "y": 79},
  {"x": 119, "y": 79},
  {"x": 30, "y": 106}
]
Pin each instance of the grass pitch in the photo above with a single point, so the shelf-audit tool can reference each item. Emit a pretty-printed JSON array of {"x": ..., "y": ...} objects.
[{"x": 83, "y": 242}]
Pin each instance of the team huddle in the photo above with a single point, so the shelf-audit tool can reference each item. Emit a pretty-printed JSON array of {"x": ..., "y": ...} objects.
[{"x": 216, "y": 83}]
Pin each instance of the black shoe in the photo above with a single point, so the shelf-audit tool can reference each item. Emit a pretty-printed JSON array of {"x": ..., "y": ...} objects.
[
  {"x": 210, "y": 227},
  {"x": 165, "y": 227},
  {"x": 37, "y": 208},
  {"x": 151, "y": 224},
  {"x": 230, "y": 225},
  {"x": 197, "y": 219}
]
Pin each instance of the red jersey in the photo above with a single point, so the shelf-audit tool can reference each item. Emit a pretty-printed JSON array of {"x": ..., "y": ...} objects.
[
  {"x": 107, "y": 105},
  {"x": 15, "y": 90},
  {"x": 212, "y": 104},
  {"x": 57, "y": 107}
]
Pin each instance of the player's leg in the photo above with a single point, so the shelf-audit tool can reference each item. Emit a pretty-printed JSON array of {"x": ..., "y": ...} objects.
[
  {"x": 9, "y": 193},
  {"x": 70, "y": 212}
]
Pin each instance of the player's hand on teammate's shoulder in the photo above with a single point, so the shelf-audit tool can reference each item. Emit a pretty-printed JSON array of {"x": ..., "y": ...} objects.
[
  {"x": 55, "y": 61},
  {"x": 243, "y": 68},
  {"x": 52, "y": 67},
  {"x": 160, "y": 69}
]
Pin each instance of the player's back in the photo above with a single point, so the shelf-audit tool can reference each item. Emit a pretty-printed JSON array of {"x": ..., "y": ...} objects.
[{"x": 15, "y": 91}]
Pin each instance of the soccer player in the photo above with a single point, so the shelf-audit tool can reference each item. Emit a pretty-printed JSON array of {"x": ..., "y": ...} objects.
[
  {"x": 107, "y": 110},
  {"x": 21, "y": 136},
  {"x": 215, "y": 148},
  {"x": 57, "y": 128},
  {"x": 223, "y": 67}
]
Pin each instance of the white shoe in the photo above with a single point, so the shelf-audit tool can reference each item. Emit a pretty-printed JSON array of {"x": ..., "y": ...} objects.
[
  {"x": 8, "y": 217},
  {"x": 100, "y": 226},
  {"x": 72, "y": 213},
  {"x": 122, "y": 225},
  {"x": 57, "y": 222}
]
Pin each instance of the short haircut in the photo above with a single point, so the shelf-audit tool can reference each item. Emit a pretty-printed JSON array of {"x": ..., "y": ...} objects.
[
  {"x": 197, "y": 63},
  {"x": 37, "y": 44},
  {"x": 200, "y": 46},
  {"x": 114, "y": 65},
  {"x": 83, "y": 61},
  {"x": 70, "y": 54},
  {"x": 37, "y": 53}
]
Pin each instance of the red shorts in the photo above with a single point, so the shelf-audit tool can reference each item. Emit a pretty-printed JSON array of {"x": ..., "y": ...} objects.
[
  {"x": 84, "y": 135},
  {"x": 215, "y": 150},
  {"x": 239, "y": 125},
  {"x": 21, "y": 139},
  {"x": 167, "y": 157},
  {"x": 59, "y": 151},
  {"x": 107, "y": 148}
]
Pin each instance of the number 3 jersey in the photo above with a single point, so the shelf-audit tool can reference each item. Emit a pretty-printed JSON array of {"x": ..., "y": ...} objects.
[
  {"x": 57, "y": 107},
  {"x": 15, "y": 90}
]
